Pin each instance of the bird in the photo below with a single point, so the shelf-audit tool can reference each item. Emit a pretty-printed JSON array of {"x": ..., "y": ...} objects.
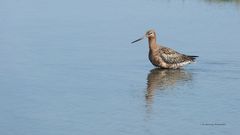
[{"x": 164, "y": 57}]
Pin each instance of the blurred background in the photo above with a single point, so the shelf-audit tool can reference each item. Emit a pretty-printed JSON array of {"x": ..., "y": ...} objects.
[{"x": 68, "y": 67}]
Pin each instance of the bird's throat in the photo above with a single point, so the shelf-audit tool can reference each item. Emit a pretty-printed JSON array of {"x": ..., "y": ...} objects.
[{"x": 152, "y": 43}]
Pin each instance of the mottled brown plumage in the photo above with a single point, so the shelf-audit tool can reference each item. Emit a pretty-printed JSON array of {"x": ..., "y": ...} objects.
[{"x": 164, "y": 57}]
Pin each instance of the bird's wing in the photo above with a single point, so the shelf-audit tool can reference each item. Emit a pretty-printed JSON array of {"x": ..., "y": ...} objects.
[{"x": 172, "y": 57}]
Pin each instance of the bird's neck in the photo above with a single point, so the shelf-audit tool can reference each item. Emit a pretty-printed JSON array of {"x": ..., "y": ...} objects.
[{"x": 152, "y": 44}]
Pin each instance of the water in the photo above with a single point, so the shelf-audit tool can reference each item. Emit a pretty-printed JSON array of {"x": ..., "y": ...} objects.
[{"x": 68, "y": 68}]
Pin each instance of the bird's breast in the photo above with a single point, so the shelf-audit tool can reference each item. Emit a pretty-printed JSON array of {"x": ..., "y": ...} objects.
[{"x": 154, "y": 58}]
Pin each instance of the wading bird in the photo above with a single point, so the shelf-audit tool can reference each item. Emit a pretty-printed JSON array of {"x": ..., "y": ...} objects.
[{"x": 164, "y": 57}]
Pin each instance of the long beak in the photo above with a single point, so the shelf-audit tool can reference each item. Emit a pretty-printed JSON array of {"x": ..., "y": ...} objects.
[{"x": 138, "y": 39}]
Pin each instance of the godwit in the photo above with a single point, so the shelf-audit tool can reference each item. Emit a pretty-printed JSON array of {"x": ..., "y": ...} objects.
[{"x": 164, "y": 57}]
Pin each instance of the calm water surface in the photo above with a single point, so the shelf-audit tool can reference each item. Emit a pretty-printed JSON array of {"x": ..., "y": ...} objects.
[{"x": 67, "y": 68}]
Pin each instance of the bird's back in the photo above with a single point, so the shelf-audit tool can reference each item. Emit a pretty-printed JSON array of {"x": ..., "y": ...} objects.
[{"x": 169, "y": 58}]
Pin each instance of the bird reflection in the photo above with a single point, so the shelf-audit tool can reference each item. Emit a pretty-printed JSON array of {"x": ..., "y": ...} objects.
[{"x": 163, "y": 79}]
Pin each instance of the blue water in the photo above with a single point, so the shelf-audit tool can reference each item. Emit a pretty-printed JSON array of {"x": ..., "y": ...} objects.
[{"x": 67, "y": 68}]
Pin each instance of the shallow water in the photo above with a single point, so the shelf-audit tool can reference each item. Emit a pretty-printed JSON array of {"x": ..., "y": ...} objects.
[{"x": 68, "y": 68}]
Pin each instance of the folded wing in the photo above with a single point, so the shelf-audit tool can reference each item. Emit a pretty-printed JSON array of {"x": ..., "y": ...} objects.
[{"x": 173, "y": 57}]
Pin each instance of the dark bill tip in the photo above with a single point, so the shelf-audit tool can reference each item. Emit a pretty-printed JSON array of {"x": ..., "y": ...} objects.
[{"x": 137, "y": 40}]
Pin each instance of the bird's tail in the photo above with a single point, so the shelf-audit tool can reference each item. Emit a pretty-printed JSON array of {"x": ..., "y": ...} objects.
[{"x": 193, "y": 58}]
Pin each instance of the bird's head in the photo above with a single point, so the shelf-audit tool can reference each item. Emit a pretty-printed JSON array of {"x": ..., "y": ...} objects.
[{"x": 150, "y": 34}]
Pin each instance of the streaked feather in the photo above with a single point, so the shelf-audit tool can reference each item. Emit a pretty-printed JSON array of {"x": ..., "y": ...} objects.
[{"x": 171, "y": 56}]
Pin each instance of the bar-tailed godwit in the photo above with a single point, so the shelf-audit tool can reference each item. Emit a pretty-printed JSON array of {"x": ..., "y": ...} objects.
[{"x": 164, "y": 57}]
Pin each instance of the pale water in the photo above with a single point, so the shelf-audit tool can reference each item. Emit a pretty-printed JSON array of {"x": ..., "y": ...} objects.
[{"x": 68, "y": 68}]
